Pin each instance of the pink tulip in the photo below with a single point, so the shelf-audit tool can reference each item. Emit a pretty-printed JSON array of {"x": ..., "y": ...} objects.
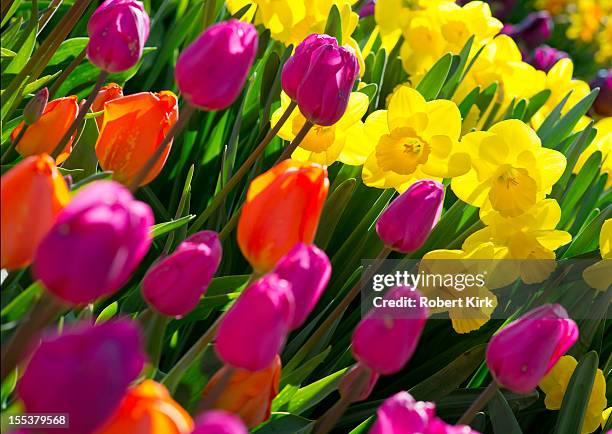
[
  {"x": 387, "y": 337},
  {"x": 533, "y": 30},
  {"x": 545, "y": 57},
  {"x": 83, "y": 372},
  {"x": 350, "y": 381},
  {"x": 175, "y": 284},
  {"x": 211, "y": 72},
  {"x": 219, "y": 422},
  {"x": 523, "y": 352},
  {"x": 117, "y": 30},
  {"x": 35, "y": 107},
  {"x": 254, "y": 329},
  {"x": 307, "y": 269},
  {"x": 603, "y": 103},
  {"x": 97, "y": 241},
  {"x": 323, "y": 94},
  {"x": 407, "y": 222}
]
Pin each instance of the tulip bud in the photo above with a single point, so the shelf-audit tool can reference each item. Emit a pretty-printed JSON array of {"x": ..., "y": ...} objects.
[
  {"x": 148, "y": 405},
  {"x": 253, "y": 331},
  {"x": 36, "y": 106},
  {"x": 323, "y": 94},
  {"x": 387, "y": 337},
  {"x": 307, "y": 269},
  {"x": 247, "y": 394},
  {"x": 603, "y": 103},
  {"x": 43, "y": 134},
  {"x": 83, "y": 372},
  {"x": 367, "y": 9},
  {"x": 133, "y": 128},
  {"x": 545, "y": 57},
  {"x": 219, "y": 422},
  {"x": 174, "y": 285},
  {"x": 33, "y": 193},
  {"x": 353, "y": 379},
  {"x": 533, "y": 30},
  {"x": 107, "y": 93},
  {"x": 282, "y": 208},
  {"x": 95, "y": 244},
  {"x": 117, "y": 31},
  {"x": 407, "y": 222},
  {"x": 521, "y": 353},
  {"x": 296, "y": 67},
  {"x": 211, "y": 72}
]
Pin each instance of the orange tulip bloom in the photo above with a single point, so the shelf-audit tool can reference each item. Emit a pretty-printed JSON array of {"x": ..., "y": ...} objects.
[
  {"x": 148, "y": 409},
  {"x": 248, "y": 394},
  {"x": 107, "y": 93},
  {"x": 32, "y": 194},
  {"x": 282, "y": 208},
  {"x": 44, "y": 134},
  {"x": 133, "y": 128}
]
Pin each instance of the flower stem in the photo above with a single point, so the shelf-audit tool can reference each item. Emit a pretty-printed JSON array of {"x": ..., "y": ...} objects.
[
  {"x": 479, "y": 404},
  {"x": 66, "y": 73},
  {"x": 13, "y": 144},
  {"x": 301, "y": 135}
]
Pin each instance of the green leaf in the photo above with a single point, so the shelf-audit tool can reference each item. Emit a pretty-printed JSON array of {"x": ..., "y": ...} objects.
[
  {"x": 370, "y": 90},
  {"x": 23, "y": 53},
  {"x": 333, "y": 27},
  {"x": 5, "y": 52},
  {"x": 108, "y": 312},
  {"x": 455, "y": 77},
  {"x": 535, "y": 103},
  {"x": 470, "y": 99},
  {"x": 332, "y": 211},
  {"x": 285, "y": 423},
  {"x": 578, "y": 188},
  {"x": 164, "y": 228},
  {"x": 587, "y": 239},
  {"x": 311, "y": 395},
  {"x": 83, "y": 154},
  {"x": 552, "y": 118},
  {"x": 69, "y": 49},
  {"x": 502, "y": 417},
  {"x": 37, "y": 84},
  {"x": 21, "y": 304},
  {"x": 431, "y": 84}
]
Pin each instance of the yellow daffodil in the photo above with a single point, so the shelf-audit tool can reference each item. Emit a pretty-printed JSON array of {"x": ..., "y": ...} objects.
[
  {"x": 553, "y": 6},
  {"x": 555, "y": 383},
  {"x": 413, "y": 139},
  {"x": 527, "y": 242},
  {"x": 325, "y": 145},
  {"x": 605, "y": 415},
  {"x": 599, "y": 275},
  {"x": 510, "y": 169},
  {"x": 602, "y": 143},
  {"x": 586, "y": 19},
  {"x": 604, "y": 42}
]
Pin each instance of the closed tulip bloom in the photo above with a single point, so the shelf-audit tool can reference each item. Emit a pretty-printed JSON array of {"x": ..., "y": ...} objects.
[
  {"x": 219, "y": 422},
  {"x": 117, "y": 31},
  {"x": 84, "y": 372},
  {"x": 148, "y": 409},
  {"x": 307, "y": 269},
  {"x": 133, "y": 127},
  {"x": 603, "y": 103},
  {"x": 107, "y": 93},
  {"x": 295, "y": 68},
  {"x": 43, "y": 135},
  {"x": 253, "y": 331},
  {"x": 533, "y": 30},
  {"x": 282, "y": 208},
  {"x": 407, "y": 222},
  {"x": 33, "y": 193},
  {"x": 104, "y": 234},
  {"x": 36, "y": 106},
  {"x": 211, "y": 72},
  {"x": 174, "y": 285},
  {"x": 352, "y": 380},
  {"x": 248, "y": 394},
  {"x": 323, "y": 95},
  {"x": 367, "y": 9},
  {"x": 387, "y": 337},
  {"x": 523, "y": 352},
  {"x": 545, "y": 57}
]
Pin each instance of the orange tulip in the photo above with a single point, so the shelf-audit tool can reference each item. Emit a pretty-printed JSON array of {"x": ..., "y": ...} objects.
[
  {"x": 133, "y": 128},
  {"x": 44, "y": 134},
  {"x": 32, "y": 194},
  {"x": 282, "y": 208},
  {"x": 148, "y": 409},
  {"x": 248, "y": 394},
  {"x": 107, "y": 93}
]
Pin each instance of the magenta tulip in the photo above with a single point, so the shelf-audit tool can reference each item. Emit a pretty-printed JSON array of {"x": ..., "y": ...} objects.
[
  {"x": 387, "y": 337},
  {"x": 323, "y": 94},
  {"x": 367, "y": 9},
  {"x": 523, "y": 352},
  {"x": 307, "y": 269},
  {"x": 253, "y": 331},
  {"x": 175, "y": 284},
  {"x": 36, "y": 106},
  {"x": 545, "y": 57},
  {"x": 219, "y": 422},
  {"x": 117, "y": 30},
  {"x": 84, "y": 372},
  {"x": 533, "y": 30},
  {"x": 211, "y": 72},
  {"x": 603, "y": 103},
  {"x": 97, "y": 241},
  {"x": 407, "y": 222},
  {"x": 351, "y": 380},
  {"x": 296, "y": 67}
]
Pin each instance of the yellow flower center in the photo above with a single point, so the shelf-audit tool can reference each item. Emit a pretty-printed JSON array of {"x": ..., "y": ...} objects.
[
  {"x": 513, "y": 191},
  {"x": 318, "y": 139},
  {"x": 402, "y": 153}
]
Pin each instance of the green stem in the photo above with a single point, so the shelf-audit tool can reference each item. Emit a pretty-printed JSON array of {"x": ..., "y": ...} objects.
[
  {"x": 156, "y": 327},
  {"x": 66, "y": 72},
  {"x": 301, "y": 135},
  {"x": 13, "y": 144},
  {"x": 479, "y": 404}
]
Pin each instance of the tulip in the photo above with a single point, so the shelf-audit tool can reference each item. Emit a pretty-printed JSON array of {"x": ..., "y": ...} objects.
[
  {"x": 148, "y": 409},
  {"x": 211, "y": 72},
  {"x": 323, "y": 94},
  {"x": 107, "y": 93},
  {"x": 175, "y": 284},
  {"x": 407, "y": 222},
  {"x": 367, "y": 9},
  {"x": 42, "y": 135},
  {"x": 387, "y": 337},
  {"x": 603, "y": 103},
  {"x": 95, "y": 244},
  {"x": 83, "y": 372},
  {"x": 282, "y": 208},
  {"x": 296, "y": 67},
  {"x": 351, "y": 380},
  {"x": 521, "y": 353},
  {"x": 248, "y": 394},
  {"x": 36, "y": 106},
  {"x": 545, "y": 57},
  {"x": 33, "y": 193},
  {"x": 253, "y": 331},
  {"x": 117, "y": 33},
  {"x": 133, "y": 128},
  {"x": 307, "y": 269},
  {"x": 533, "y": 30},
  {"x": 219, "y": 422}
]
